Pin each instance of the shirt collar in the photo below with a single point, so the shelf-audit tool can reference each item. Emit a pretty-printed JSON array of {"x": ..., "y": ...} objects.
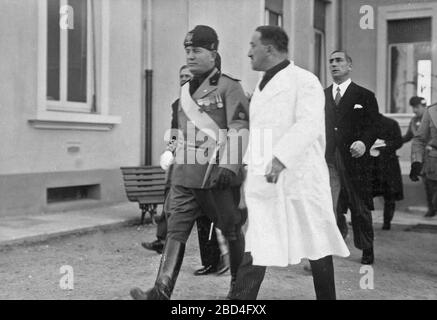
[
  {"x": 269, "y": 74},
  {"x": 343, "y": 87}
]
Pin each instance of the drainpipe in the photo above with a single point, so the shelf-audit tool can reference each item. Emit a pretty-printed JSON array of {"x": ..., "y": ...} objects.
[{"x": 148, "y": 86}]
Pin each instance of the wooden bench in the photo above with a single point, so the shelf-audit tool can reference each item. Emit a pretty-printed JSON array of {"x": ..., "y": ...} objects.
[{"x": 145, "y": 185}]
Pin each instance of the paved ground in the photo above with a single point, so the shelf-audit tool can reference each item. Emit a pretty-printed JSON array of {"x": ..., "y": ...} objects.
[{"x": 106, "y": 264}]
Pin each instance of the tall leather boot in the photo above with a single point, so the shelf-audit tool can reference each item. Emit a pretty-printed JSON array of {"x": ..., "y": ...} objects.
[
  {"x": 389, "y": 211},
  {"x": 171, "y": 262},
  {"x": 246, "y": 284},
  {"x": 323, "y": 278},
  {"x": 236, "y": 252}
]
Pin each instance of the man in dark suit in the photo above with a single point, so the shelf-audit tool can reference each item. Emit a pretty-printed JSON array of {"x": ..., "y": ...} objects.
[
  {"x": 386, "y": 171},
  {"x": 351, "y": 113}
]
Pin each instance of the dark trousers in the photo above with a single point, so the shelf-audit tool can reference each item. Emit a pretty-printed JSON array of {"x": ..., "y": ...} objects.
[
  {"x": 361, "y": 216},
  {"x": 250, "y": 277},
  {"x": 389, "y": 209},
  {"x": 186, "y": 205},
  {"x": 209, "y": 249},
  {"x": 431, "y": 194}
]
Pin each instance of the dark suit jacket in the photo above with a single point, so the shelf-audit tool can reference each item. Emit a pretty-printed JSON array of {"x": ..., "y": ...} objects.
[
  {"x": 352, "y": 120},
  {"x": 386, "y": 173}
]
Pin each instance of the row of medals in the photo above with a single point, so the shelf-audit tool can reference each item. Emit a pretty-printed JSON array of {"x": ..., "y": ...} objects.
[{"x": 204, "y": 104}]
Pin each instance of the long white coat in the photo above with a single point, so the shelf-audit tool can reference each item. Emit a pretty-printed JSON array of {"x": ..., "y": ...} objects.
[{"x": 294, "y": 218}]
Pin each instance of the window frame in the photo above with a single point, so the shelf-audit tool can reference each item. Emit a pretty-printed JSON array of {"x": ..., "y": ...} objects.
[
  {"x": 100, "y": 120},
  {"x": 399, "y": 12},
  {"x": 63, "y": 104},
  {"x": 267, "y": 17},
  {"x": 389, "y": 71}
]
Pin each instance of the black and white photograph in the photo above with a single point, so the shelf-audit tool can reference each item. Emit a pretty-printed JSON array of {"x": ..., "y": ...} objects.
[{"x": 218, "y": 152}]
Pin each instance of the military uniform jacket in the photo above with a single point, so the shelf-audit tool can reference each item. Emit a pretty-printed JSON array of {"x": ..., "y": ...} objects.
[
  {"x": 218, "y": 103},
  {"x": 424, "y": 146},
  {"x": 354, "y": 119},
  {"x": 412, "y": 129}
]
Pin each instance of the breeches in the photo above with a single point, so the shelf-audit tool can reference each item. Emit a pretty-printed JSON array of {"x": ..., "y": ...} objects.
[{"x": 221, "y": 206}]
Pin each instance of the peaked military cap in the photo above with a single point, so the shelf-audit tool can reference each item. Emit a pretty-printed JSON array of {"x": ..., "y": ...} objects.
[{"x": 202, "y": 36}]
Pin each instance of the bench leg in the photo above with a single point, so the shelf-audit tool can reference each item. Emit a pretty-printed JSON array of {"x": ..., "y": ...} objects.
[{"x": 143, "y": 213}]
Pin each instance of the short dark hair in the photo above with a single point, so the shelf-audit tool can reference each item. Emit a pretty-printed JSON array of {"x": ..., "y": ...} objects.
[
  {"x": 346, "y": 55},
  {"x": 414, "y": 101},
  {"x": 275, "y": 36}
]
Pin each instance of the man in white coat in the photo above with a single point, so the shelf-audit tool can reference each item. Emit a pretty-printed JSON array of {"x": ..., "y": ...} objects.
[{"x": 288, "y": 197}]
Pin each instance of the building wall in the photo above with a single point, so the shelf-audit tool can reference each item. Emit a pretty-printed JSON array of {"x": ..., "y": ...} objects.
[
  {"x": 234, "y": 22},
  {"x": 32, "y": 159}
]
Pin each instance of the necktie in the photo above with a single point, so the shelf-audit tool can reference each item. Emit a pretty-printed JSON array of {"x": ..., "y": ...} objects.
[{"x": 337, "y": 96}]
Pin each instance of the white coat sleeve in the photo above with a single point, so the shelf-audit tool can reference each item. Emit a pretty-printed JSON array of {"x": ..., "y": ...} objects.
[{"x": 307, "y": 128}]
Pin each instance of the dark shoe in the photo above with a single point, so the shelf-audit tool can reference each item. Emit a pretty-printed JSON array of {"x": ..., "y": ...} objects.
[
  {"x": 307, "y": 268},
  {"x": 205, "y": 270},
  {"x": 230, "y": 295},
  {"x": 368, "y": 256},
  {"x": 156, "y": 245},
  {"x": 171, "y": 262},
  {"x": 223, "y": 264},
  {"x": 152, "y": 294},
  {"x": 386, "y": 226},
  {"x": 429, "y": 214}
]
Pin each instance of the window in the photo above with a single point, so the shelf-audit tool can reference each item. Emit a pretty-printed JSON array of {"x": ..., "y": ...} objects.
[
  {"x": 409, "y": 62},
  {"x": 73, "y": 66},
  {"x": 274, "y": 12},
  {"x": 70, "y": 80},
  {"x": 319, "y": 23}
]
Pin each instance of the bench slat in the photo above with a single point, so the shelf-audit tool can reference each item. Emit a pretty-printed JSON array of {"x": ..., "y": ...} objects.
[
  {"x": 132, "y": 177},
  {"x": 145, "y": 189},
  {"x": 133, "y": 183},
  {"x": 142, "y": 170}
]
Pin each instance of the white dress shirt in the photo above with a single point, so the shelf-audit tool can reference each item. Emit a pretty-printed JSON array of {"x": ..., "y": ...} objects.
[{"x": 343, "y": 87}]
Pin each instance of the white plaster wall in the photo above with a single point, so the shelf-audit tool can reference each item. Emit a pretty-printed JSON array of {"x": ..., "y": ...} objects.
[{"x": 23, "y": 148}]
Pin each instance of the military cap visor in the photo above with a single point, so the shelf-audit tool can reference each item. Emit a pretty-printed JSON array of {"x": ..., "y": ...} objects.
[{"x": 202, "y": 36}]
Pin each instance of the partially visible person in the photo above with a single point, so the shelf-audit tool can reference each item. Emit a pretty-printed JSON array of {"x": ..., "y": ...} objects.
[
  {"x": 161, "y": 228},
  {"x": 351, "y": 112},
  {"x": 386, "y": 171},
  {"x": 419, "y": 106},
  {"x": 424, "y": 157},
  {"x": 290, "y": 213},
  {"x": 210, "y": 255}
]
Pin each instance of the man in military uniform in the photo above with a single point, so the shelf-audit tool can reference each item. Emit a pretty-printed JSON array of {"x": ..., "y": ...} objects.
[
  {"x": 424, "y": 157},
  {"x": 212, "y": 260},
  {"x": 419, "y": 106},
  {"x": 213, "y": 114}
]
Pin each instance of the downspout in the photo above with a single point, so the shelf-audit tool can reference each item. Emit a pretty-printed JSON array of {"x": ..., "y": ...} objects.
[{"x": 148, "y": 86}]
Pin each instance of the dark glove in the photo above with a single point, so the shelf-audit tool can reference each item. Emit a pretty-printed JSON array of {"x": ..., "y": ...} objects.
[
  {"x": 223, "y": 178},
  {"x": 416, "y": 169}
]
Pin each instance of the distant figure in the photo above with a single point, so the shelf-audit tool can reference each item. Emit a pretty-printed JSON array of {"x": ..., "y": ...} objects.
[
  {"x": 424, "y": 157},
  {"x": 419, "y": 106},
  {"x": 386, "y": 171}
]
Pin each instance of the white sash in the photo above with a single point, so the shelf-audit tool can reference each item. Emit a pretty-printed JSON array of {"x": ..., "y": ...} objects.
[{"x": 200, "y": 119}]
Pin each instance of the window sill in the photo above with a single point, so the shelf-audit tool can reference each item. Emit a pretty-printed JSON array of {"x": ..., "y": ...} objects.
[{"x": 74, "y": 121}]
